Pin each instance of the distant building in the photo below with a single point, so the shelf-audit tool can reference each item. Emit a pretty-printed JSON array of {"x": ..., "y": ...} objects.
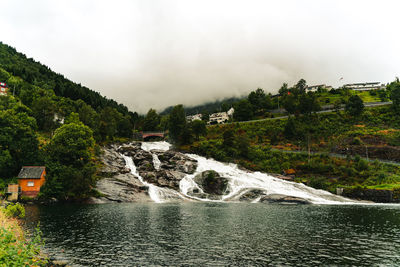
[
  {"x": 194, "y": 117},
  {"x": 221, "y": 117},
  {"x": 58, "y": 118},
  {"x": 314, "y": 88},
  {"x": 364, "y": 86},
  {"x": 3, "y": 88},
  {"x": 31, "y": 179},
  {"x": 230, "y": 112}
]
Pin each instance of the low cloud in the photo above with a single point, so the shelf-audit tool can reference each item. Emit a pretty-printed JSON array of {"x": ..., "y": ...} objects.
[{"x": 159, "y": 53}]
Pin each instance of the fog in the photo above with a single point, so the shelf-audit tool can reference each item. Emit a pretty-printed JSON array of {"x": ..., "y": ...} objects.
[{"x": 159, "y": 53}]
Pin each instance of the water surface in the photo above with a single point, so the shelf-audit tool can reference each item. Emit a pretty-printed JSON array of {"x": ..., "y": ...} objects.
[{"x": 220, "y": 234}]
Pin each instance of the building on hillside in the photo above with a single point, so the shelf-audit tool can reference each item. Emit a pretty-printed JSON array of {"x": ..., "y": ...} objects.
[
  {"x": 58, "y": 118},
  {"x": 364, "y": 86},
  {"x": 314, "y": 88},
  {"x": 3, "y": 88},
  {"x": 194, "y": 117},
  {"x": 31, "y": 179},
  {"x": 221, "y": 117}
]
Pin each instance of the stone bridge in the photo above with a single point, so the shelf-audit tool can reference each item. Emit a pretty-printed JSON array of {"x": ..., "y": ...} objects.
[{"x": 146, "y": 135}]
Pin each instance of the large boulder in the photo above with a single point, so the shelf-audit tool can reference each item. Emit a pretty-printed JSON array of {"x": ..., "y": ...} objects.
[
  {"x": 252, "y": 195},
  {"x": 172, "y": 160},
  {"x": 212, "y": 183},
  {"x": 163, "y": 178},
  {"x": 113, "y": 163},
  {"x": 277, "y": 198},
  {"x": 122, "y": 188}
]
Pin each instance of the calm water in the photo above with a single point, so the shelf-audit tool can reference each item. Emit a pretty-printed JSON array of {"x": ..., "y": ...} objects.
[{"x": 220, "y": 234}]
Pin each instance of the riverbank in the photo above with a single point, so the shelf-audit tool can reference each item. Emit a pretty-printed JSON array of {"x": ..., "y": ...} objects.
[{"x": 17, "y": 249}]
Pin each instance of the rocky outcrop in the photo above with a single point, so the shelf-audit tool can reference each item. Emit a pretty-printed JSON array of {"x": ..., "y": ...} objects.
[
  {"x": 212, "y": 183},
  {"x": 252, "y": 195},
  {"x": 375, "y": 195},
  {"x": 177, "y": 161},
  {"x": 113, "y": 163},
  {"x": 282, "y": 199},
  {"x": 118, "y": 184},
  {"x": 173, "y": 167}
]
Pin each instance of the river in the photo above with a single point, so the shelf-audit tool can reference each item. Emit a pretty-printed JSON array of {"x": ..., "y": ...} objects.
[
  {"x": 220, "y": 234},
  {"x": 181, "y": 228}
]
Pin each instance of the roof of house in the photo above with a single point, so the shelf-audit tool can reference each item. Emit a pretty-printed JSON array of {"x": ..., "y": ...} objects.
[{"x": 32, "y": 172}]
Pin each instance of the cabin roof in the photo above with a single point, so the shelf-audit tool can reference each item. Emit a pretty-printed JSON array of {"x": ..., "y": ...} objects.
[{"x": 32, "y": 172}]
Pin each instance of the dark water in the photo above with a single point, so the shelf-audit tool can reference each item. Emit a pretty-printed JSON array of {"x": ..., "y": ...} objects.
[{"x": 220, "y": 234}]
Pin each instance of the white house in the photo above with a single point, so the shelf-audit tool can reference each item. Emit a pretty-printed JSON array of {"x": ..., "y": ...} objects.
[
  {"x": 364, "y": 86},
  {"x": 193, "y": 117}
]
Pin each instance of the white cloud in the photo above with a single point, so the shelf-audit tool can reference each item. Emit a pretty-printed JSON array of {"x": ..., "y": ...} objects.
[{"x": 159, "y": 53}]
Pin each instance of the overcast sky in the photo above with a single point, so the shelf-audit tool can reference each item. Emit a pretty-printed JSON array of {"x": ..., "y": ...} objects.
[{"x": 159, "y": 53}]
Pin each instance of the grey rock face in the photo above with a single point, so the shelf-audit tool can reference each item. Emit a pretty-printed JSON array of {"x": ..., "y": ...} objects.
[
  {"x": 119, "y": 185},
  {"x": 212, "y": 183},
  {"x": 252, "y": 195},
  {"x": 276, "y": 198}
]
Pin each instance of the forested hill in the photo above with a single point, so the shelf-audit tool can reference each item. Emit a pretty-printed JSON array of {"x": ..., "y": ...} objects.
[
  {"x": 210, "y": 107},
  {"x": 37, "y": 74},
  {"x": 48, "y": 120}
]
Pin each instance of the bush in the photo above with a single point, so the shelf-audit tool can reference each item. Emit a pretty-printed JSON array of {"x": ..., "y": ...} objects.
[
  {"x": 20, "y": 252},
  {"x": 15, "y": 210}
]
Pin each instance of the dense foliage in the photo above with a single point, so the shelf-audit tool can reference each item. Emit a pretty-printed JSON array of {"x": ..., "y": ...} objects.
[{"x": 279, "y": 145}]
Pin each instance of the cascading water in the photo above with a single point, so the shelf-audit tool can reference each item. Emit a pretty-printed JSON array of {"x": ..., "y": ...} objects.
[
  {"x": 157, "y": 194},
  {"x": 240, "y": 182}
]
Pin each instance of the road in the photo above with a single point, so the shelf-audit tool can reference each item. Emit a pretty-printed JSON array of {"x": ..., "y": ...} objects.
[{"x": 368, "y": 104}]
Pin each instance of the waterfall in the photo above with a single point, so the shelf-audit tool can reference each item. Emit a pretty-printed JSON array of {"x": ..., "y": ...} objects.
[
  {"x": 240, "y": 182},
  {"x": 157, "y": 194}
]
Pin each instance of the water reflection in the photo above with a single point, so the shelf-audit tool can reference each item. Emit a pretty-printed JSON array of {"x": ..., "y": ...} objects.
[{"x": 220, "y": 234}]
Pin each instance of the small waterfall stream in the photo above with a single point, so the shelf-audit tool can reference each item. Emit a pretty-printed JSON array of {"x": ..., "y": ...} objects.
[{"x": 240, "y": 182}]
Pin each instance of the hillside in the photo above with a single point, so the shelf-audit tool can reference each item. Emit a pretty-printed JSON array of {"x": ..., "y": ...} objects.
[
  {"x": 49, "y": 120},
  {"x": 209, "y": 107},
  {"x": 33, "y": 73}
]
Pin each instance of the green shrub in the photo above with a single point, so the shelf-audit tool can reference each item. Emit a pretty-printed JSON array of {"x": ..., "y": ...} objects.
[
  {"x": 17, "y": 252},
  {"x": 15, "y": 210}
]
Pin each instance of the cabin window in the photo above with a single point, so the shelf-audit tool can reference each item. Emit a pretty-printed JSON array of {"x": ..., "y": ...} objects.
[{"x": 31, "y": 183}]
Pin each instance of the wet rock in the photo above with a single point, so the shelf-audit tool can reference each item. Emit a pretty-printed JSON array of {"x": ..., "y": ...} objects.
[
  {"x": 172, "y": 160},
  {"x": 113, "y": 163},
  {"x": 122, "y": 188},
  {"x": 277, "y": 198},
  {"x": 129, "y": 149},
  {"x": 164, "y": 178},
  {"x": 251, "y": 195},
  {"x": 212, "y": 183}
]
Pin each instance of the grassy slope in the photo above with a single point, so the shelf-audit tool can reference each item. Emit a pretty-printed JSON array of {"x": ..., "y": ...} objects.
[
  {"x": 376, "y": 127},
  {"x": 15, "y": 248}
]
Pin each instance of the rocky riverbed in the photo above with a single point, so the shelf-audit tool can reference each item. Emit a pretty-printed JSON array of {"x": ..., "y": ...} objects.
[{"x": 157, "y": 174}]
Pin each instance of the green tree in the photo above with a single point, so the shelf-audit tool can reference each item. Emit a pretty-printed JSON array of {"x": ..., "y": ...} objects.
[
  {"x": 242, "y": 143},
  {"x": 69, "y": 162},
  {"x": 243, "y": 111},
  {"x": 259, "y": 100},
  {"x": 151, "y": 121},
  {"x": 43, "y": 110},
  {"x": 290, "y": 103},
  {"x": 228, "y": 138},
  {"x": 308, "y": 103},
  {"x": 198, "y": 128},
  {"x": 355, "y": 106},
  {"x": 205, "y": 116},
  {"x": 177, "y": 123},
  {"x": 395, "y": 96},
  {"x": 108, "y": 125},
  {"x": 18, "y": 141}
]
